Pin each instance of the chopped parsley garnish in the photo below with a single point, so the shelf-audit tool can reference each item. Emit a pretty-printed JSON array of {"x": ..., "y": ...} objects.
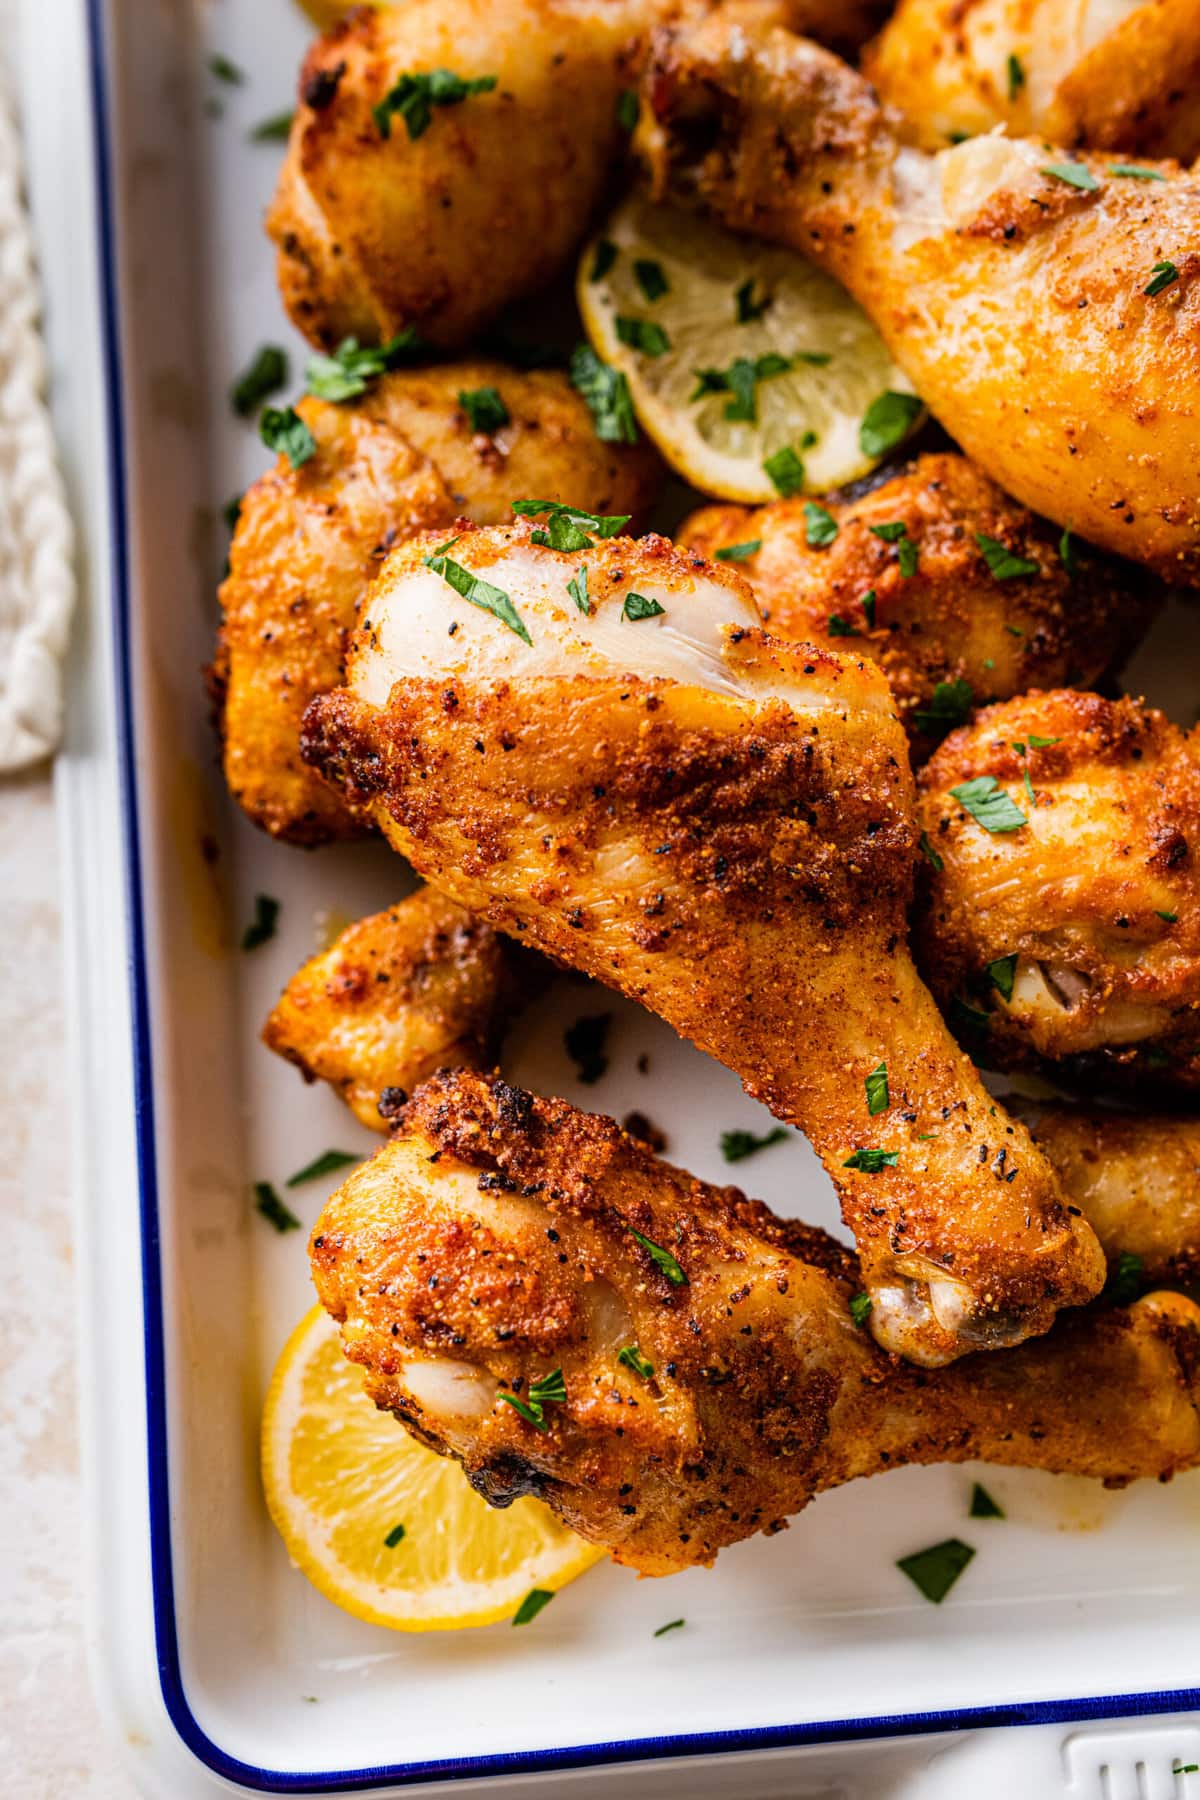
[
  {"x": 887, "y": 422},
  {"x": 352, "y": 368},
  {"x": 662, "y": 1260},
  {"x": 1168, "y": 918},
  {"x": 568, "y": 527},
  {"x": 627, "y": 109},
  {"x": 860, "y": 1309},
  {"x": 262, "y": 926},
  {"x": 1162, "y": 275},
  {"x": 738, "y": 552},
  {"x": 585, "y": 1043},
  {"x": 929, "y": 853},
  {"x": 1004, "y": 563},
  {"x": 325, "y": 1164},
  {"x": 1075, "y": 174},
  {"x": 578, "y": 589},
  {"x": 982, "y": 1505},
  {"x": 891, "y": 532},
  {"x": 1041, "y": 743},
  {"x": 231, "y": 512},
  {"x": 274, "y": 130},
  {"x": 674, "y": 1624},
  {"x": 633, "y": 1359},
  {"x": 820, "y": 526},
  {"x": 1016, "y": 76},
  {"x": 1124, "y": 1282},
  {"x": 962, "y": 1016},
  {"x": 642, "y": 335},
  {"x": 872, "y": 1162},
  {"x": 747, "y": 307},
  {"x": 878, "y": 1098},
  {"x": 868, "y": 606},
  {"x": 651, "y": 278},
  {"x": 226, "y": 71},
  {"x": 479, "y": 592},
  {"x": 785, "y": 471},
  {"x": 989, "y": 804},
  {"x": 532, "y": 1605},
  {"x": 949, "y": 705},
  {"x": 265, "y": 374},
  {"x": 1137, "y": 172},
  {"x": 551, "y": 1390},
  {"x": 395, "y": 1536},
  {"x": 414, "y": 96},
  {"x": 1066, "y": 552},
  {"x": 839, "y": 627},
  {"x": 603, "y": 258},
  {"x": 282, "y": 429},
  {"x": 935, "y": 1571},
  {"x": 485, "y": 410},
  {"x": 606, "y": 392},
  {"x": 906, "y": 551},
  {"x": 640, "y": 606},
  {"x": 268, "y": 1203},
  {"x": 741, "y": 380},
  {"x": 1002, "y": 973},
  {"x": 1185, "y": 1768},
  {"x": 736, "y": 1146}
]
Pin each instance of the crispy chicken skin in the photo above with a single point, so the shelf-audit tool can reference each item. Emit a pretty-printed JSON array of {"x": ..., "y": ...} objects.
[
  {"x": 1110, "y": 77},
  {"x": 1013, "y": 299},
  {"x": 1136, "y": 1177},
  {"x": 441, "y": 231},
  {"x": 399, "y": 995},
  {"x": 1104, "y": 984},
  {"x": 401, "y": 458},
  {"x": 951, "y": 620},
  {"x": 720, "y": 825},
  {"x": 495, "y": 1240}
]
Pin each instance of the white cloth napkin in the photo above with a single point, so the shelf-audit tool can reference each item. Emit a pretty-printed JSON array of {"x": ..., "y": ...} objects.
[{"x": 37, "y": 578}]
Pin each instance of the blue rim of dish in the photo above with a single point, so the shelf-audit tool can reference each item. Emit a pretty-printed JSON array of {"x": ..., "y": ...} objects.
[{"x": 231, "y": 1768}]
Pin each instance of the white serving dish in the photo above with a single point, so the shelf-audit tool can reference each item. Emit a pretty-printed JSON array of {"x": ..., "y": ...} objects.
[{"x": 1080, "y": 1604}]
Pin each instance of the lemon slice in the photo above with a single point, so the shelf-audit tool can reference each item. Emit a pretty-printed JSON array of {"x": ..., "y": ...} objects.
[
  {"x": 342, "y": 1478},
  {"x": 679, "y": 305}
]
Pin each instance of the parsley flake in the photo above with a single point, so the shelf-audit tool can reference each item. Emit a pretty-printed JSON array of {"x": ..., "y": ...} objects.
[
  {"x": 674, "y": 1624},
  {"x": 262, "y": 926},
  {"x": 532, "y": 1605},
  {"x": 642, "y": 335},
  {"x": 478, "y": 592},
  {"x": 1075, "y": 174},
  {"x": 226, "y": 71},
  {"x": 949, "y": 705},
  {"x": 935, "y": 1571},
  {"x": 860, "y": 1309},
  {"x": 395, "y": 1536},
  {"x": 326, "y": 1164},
  {"x": 1004, "y": 563},
  {"x": 872, "y": 1162},
  {"x": 577, "y": 587},
  {"x": 749, "y": 309},
  {"x": 840, "y": 627},
  {"x": 606, "y": 393},
  {"x": 876, "y": 1084},
  {"x": 1162, "y": 275},
  {"x": 868, "y": 606},
  {"x": 738, "y": 552},
  {"x": 982, "y": 1505},
  {"x": 485, "y": 410},
  {"x": 820, "y": 526},
  {"x": 785, "y": 470},
  {"x": 887, "y": 422},
  {"x": 633, "y": 1359},
  {"x": 651, "y": 278},
  {"x": 283, "y": 430},
  {"x": 929, "y": 853},
  {"x": 736, "y": 1146},
  {"x": 266, "y": 373},
  {"x": 640, "y": 606},
  {"x": 568, "y": 527},
  {"x": 989, "y": 804},
  {"x": 275, "y": 130},
  {"x": 1002, "y": 973},
  {"x": 627, "y": 109},
  {"x": 1016, "y": 76},
  {"x": 1066, "y": 552},
  {"x": 413, "y": 97},
  {"x": 1168, "y": 918},
  {"x": 1137, "y": 172},
  {"x": 268, "y": 1203},
  {"x": 662, "y": 1260},
  {"x": 1124, "y": 1282},
  {"x": 550, "y": 1390},
  {"x": 352, "y": 368},
  {"x": 741, "y": 380},
  {"x": 603, "y": 258}
]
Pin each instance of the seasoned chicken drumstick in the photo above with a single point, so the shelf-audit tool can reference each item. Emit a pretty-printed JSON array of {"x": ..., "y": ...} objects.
[
  {"x": 959, "y": 594},
  {"x": 601, "y": 752},
  {"x": 1066, "y": 913},
  {"x": 667, "y": 1364},
  {"x": 402, "y": 457},
  {"x": 1109, "y": 74},
  {"x": 1046, "y": 310}
]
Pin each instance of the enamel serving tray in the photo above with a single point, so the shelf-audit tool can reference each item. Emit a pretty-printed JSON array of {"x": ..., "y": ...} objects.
[{"x": 808, "y": 1663}]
